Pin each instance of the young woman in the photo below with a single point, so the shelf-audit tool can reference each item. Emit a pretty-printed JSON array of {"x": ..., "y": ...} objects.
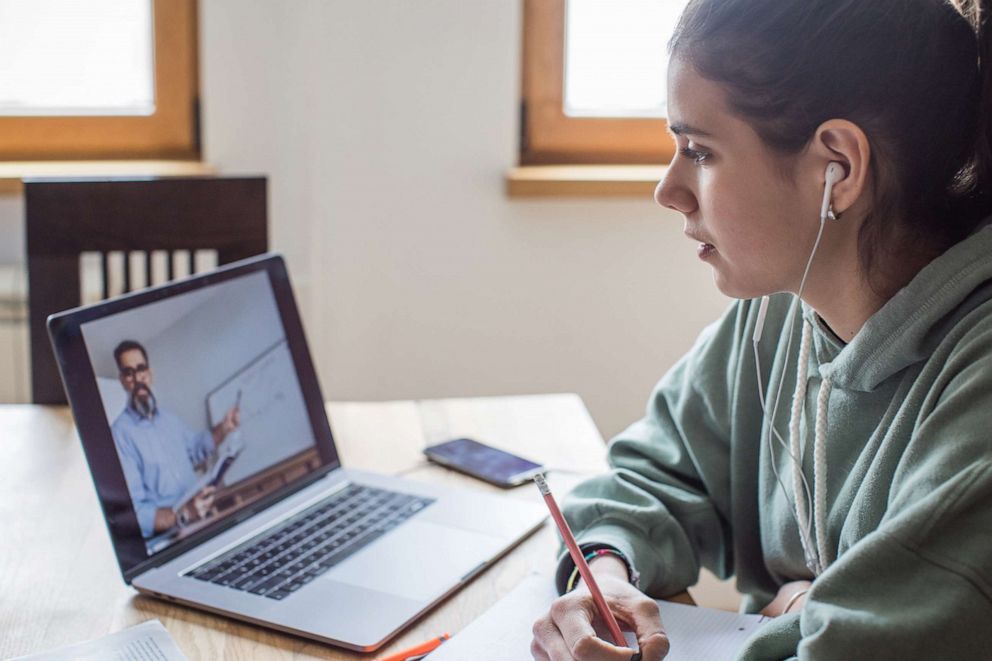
[{"x": 829, "y": 440}]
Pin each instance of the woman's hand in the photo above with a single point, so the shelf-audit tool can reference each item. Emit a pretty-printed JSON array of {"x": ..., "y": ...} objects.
[
  {"x": 567, "y": 631},
  {"x": 786, "y": 593}
]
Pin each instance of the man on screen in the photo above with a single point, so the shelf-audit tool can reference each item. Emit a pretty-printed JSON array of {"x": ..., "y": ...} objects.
[{"x": 159, "y": 452}]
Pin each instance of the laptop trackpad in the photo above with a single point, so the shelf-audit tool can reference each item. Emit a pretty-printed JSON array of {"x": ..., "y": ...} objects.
[{"x": 418, "y": 560}]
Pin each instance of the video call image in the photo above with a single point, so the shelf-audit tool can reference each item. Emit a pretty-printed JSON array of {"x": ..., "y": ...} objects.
[{"x": 203, "y": 404}]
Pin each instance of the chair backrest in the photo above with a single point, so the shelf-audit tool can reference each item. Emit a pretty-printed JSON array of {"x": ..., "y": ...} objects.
[{"x": 173, "y": 217}]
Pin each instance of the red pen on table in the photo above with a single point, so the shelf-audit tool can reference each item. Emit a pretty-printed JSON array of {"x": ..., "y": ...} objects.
[
  {"x": 420, "y": 650},
  {"x": 580, "y": 562}
]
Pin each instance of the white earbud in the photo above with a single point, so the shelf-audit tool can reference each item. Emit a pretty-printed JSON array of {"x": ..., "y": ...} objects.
[{"x": 834, "y": 173}]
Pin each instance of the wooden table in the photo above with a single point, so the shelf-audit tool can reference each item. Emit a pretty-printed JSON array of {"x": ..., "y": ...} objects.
[{"x": 59, "y": 580}]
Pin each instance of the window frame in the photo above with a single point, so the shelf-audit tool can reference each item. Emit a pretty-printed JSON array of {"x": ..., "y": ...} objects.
[
  {"x": 548, "y": 136},
  {"x": 171, "y": 132}
]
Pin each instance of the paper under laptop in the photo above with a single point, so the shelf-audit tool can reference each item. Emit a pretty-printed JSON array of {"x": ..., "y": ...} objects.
[
  {"x": 143, "y": 642},
  {"x": 268, "y": 526},
  {"x": 504, "y": 631}
]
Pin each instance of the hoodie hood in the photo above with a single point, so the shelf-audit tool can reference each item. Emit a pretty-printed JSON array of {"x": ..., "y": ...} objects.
[
  {"x": 905, "y": 331},
  {"x": 911, "y": 324}
]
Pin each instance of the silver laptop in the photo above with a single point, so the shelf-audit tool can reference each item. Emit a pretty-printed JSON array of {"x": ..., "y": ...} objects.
[{"x": 206, "y": 434}]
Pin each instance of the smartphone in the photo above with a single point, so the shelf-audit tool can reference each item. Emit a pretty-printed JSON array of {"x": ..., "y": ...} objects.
[{"x": 484, "y": 462}]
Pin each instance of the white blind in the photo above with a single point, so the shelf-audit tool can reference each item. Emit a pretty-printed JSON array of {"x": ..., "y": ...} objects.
[
  {"x": 616, "y": 57},
  {"x": 76, "y": 57}
]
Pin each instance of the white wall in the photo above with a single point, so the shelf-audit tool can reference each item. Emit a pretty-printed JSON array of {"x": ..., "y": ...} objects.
[
  {"x": 385, "y": 127},
  {"x": 11, "y": 228},
  {"x": 14, "y": 368}
]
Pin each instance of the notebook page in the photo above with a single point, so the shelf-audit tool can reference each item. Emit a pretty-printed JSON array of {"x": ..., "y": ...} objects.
[
  {"x": 143, "y": 642},
  {"x": 705, "y": 633},
  {"x": 503, "y": 632}
]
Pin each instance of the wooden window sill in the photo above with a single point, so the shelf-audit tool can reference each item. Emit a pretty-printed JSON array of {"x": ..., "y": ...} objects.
[
  {"x": 12, "y": 172},
  {"x": 583, "y": 180}
]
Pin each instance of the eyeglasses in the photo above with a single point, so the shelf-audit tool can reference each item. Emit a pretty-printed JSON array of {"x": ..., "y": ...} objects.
[{"x": 130, "y": 372}]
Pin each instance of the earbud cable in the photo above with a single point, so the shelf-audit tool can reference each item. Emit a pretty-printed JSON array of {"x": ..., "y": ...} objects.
[{"x": 802, "y": 518}]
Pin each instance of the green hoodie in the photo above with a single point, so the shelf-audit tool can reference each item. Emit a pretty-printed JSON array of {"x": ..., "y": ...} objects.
[{"x": 904, "y": 477}]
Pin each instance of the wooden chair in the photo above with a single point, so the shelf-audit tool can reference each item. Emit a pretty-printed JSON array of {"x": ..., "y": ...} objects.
[{"x": 134, "y": 218}]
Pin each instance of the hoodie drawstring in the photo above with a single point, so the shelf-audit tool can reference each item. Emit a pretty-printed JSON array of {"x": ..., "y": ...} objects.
[
  {"x": 820, "y": 475},
  {"x": 799, "y": 498},
  {"x": 817, "y": 554}
]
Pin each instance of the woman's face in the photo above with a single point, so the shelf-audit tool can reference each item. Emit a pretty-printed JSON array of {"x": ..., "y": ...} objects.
[{"x": 754, "y": 225}]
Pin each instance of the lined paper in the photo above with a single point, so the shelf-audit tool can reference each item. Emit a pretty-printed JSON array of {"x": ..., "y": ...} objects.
[{"x": 504, "y": 631}]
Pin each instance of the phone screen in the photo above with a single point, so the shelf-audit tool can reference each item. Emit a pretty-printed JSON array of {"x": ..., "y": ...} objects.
[{"x": 483, "y": 461}]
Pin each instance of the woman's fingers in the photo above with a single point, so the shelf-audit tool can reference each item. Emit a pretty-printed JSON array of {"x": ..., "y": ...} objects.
[
  {"x": 572, "y": 615},
  {"x": 654, "y": 646},
  {"x": 643, "y": 616},
  {"x": 567, "y": 631},
  {"x": 537, "y": 651},
  {"x": 548, "y": 643}
]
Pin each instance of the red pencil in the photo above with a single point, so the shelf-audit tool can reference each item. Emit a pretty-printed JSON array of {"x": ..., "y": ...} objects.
[
  {"x": 580, "y": 562},
  {"x": 417, "y": 651}
]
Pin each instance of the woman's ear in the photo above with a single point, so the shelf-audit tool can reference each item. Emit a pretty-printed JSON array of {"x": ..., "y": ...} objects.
[{"x": 843, "y": 141}]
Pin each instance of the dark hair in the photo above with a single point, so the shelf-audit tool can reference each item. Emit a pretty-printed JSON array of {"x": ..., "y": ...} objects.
[
  {"x": 912, "y": 75},
  {"x": 128, "y": 345}
]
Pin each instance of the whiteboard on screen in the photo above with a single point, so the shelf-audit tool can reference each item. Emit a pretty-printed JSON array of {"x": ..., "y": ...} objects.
[{"x": 274, "y": 420}]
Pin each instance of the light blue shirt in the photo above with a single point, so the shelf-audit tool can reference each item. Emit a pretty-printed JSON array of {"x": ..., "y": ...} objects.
[{"x": 158, "y": 455}]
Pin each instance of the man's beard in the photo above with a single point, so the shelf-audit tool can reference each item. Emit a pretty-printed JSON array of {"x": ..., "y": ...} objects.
[{"x": 143, "y": 401}]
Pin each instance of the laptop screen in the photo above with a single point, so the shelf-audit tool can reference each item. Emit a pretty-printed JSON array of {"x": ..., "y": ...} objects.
[{"x": 206, "y": 413}]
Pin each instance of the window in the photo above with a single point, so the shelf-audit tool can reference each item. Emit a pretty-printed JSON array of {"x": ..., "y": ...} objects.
[
  {"x": 594, "y": 81},
  {"x": 98, "y": 79}
]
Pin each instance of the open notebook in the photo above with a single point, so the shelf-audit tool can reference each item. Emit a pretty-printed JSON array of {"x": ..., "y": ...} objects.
[{"x": 503, "y": 632}]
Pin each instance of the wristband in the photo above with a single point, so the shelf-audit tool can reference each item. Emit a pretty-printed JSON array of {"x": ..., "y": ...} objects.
[
  {"x": 632, "y": 576},
  {"x": 793, "y": 599}
]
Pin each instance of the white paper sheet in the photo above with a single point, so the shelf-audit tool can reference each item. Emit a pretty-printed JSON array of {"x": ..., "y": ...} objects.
[
  {"x": 503, "y": 633},
  {"x": 148, "y": 641}
]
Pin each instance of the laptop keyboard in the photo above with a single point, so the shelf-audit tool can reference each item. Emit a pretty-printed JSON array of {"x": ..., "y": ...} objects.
[{"x": 311, "y": 542}]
